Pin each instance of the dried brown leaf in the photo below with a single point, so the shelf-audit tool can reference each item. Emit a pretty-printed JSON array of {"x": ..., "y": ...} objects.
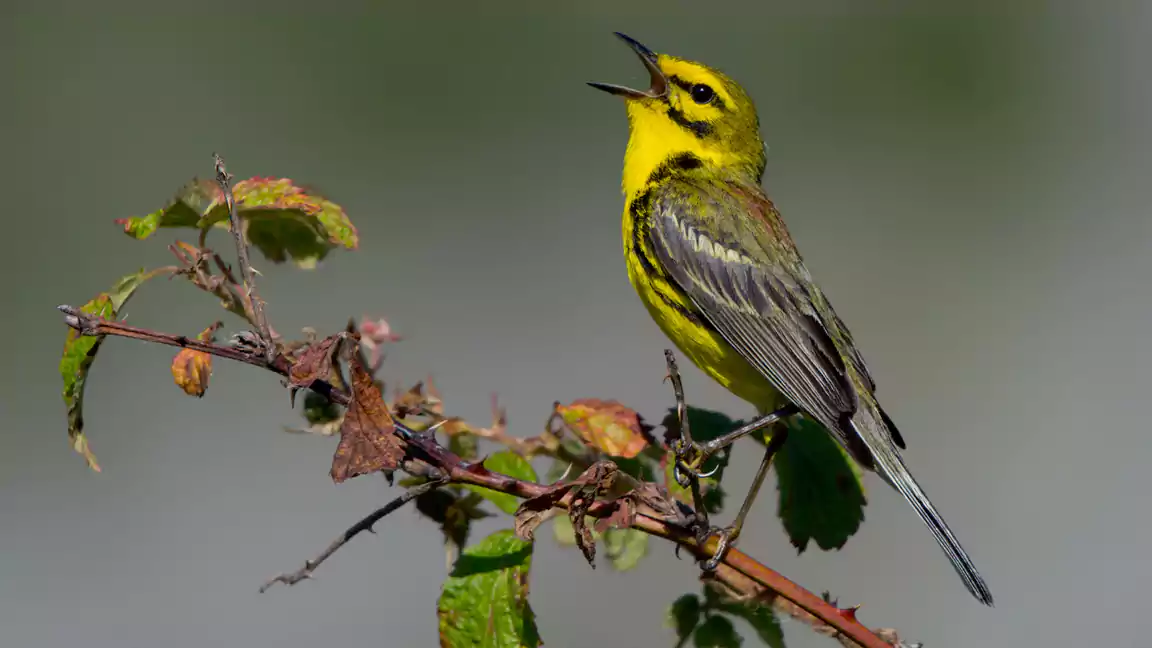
[
  {"x": 435, "y": 401},
  {"x": 315, "y": 362},
  {"x": 621, "y": 517},
  {"x": 191, "y": 369},
  {"x": 597, "y": 481},
  {"x": 592, "y": 485},
  {"x": 532, "y": 512},
  {"x": 609, "y": 426},
  {"x": 368, "y": 442},
  {"x": 409, "y": 402}
]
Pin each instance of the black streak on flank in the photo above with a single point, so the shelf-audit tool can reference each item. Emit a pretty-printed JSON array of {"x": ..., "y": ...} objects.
[{"x": 640, "y": 225}]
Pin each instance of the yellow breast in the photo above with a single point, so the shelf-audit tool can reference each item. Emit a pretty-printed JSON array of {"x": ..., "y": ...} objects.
[{"x": 674, "y": 312}]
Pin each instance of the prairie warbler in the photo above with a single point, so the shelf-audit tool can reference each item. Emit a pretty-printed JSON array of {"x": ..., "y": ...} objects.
[{"x": 714, "y": 264}]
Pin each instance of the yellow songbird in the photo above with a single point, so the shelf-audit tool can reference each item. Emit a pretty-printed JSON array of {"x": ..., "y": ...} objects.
[{"x": 716, "y": 268}]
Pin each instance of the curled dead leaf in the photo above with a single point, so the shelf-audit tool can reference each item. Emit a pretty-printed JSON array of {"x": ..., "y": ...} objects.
[
  {"x": 368, "y": 442},
  {"x": 592, "y": 485},
  {"x": 315, "y": 362},
  {"x": 409, "y": 402},
  {"x": 609, "y": 426},
  {"x": 191, "y": 369}
]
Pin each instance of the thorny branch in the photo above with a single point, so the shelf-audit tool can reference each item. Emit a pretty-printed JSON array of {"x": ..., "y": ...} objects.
[
  {"x": 366, "y": 524},
  {"x": 739, "y": 573},
  {"x": 224, "y": 179}
]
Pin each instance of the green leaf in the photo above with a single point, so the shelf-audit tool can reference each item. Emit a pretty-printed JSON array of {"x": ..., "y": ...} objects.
[
  {"x": 561, "y": 466},
  {"x": 283, "y": 221},
  {"x": 759, "y": 615},
  {"x": 454, "y": 510},
  {"x": 511, "y": 464},
  {"x": 80, "y": 353},
  {"x": 484, "y": 602},
  {"x": 625, "y": 547},
  {"x": 563, "y": 531},
  {"x": 821, "y": 488},
  {"x": 319, "y": 410},
  {"x": 710, "y": 488},
  {"x": 684, "y": 615},
  {"x": 716, "y": 632},
  {"x": 705, "y": 424},
  {"x": 464, "y": 445},
  {"x": 642, "y": 467}
]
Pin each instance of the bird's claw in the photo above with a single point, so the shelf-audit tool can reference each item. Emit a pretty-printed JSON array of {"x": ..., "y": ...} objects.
[
  {"x": 690, "y": 457},
  {"x": 726, "y": 538}
]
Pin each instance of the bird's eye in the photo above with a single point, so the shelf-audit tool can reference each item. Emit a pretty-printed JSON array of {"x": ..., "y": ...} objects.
[{"x": 702, "y": 94}]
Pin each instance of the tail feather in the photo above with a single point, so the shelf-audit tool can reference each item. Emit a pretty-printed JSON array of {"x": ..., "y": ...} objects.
[{"x": 890, "y": 466}]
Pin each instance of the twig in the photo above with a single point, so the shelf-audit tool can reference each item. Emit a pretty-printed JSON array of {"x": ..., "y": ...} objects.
[
  {"x": 363, "y": 525},
  {"x": 91, "y": 325},
  {"x": 743, "y": 573},
  {"x": 685, "y": 441},
  {"x": 224, "y": 179},
  {"x": 678, "y": 392}
]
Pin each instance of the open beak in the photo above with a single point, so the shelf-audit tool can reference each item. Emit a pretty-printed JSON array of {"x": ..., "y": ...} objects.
[{"x": 659, "y": 87}]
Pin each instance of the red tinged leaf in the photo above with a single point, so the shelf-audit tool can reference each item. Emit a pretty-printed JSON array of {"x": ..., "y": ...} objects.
[
  {"x": 315, "y": 362},
  {"x": 368, "y": 442},
  {"x": 282, "y": 220},
  {"x": 609, "y": 426},
  {"x": 191, "y": 369}
]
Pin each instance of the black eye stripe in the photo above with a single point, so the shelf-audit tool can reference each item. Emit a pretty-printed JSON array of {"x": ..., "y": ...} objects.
[{"x": 688, "y": 87}]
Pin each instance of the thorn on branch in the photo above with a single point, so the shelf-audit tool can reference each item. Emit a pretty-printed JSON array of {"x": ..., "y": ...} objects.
[{"x": 364, "y": 525}]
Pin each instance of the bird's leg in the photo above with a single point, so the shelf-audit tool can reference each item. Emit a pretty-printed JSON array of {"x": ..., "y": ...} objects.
[
  {"x": 690, "y": 456},
  {"x": 727, "y": 536}
]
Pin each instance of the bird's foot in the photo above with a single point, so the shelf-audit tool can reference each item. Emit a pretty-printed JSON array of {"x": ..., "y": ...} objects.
[
  {"x": 690, "y": 458},
  {"x": 726, "y": 539}
]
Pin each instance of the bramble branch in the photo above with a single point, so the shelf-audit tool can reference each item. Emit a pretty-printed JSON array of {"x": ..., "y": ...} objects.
[
  {"x": 740, "y": 573},
  {"x": 224, "y": 179},
  {"x": 366, "y": 524}
]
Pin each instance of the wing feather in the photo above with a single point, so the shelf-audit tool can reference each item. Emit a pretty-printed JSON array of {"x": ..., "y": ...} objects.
[{"x": 721, "y": 250}]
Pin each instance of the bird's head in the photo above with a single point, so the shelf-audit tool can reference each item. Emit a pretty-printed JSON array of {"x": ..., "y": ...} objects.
[{"x": 690, "y": 107}]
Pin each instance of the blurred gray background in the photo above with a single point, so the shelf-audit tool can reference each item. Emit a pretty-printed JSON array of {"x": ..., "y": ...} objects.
[{"x": 968, "y": 182}]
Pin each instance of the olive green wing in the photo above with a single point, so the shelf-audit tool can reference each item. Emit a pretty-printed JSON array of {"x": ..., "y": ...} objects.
[
  {"x": 857, "y": 361},
  {"x": 726, "y": 248}
]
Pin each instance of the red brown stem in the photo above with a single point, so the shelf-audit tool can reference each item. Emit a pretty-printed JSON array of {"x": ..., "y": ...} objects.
[{"x": 224, "y": 179}]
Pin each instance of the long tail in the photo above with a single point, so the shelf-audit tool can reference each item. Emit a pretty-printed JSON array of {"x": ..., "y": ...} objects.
[{"x": 890, "y": 466}]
